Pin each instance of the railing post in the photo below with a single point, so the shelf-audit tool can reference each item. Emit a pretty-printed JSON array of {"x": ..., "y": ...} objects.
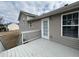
[{"x": 22, "y": 38}]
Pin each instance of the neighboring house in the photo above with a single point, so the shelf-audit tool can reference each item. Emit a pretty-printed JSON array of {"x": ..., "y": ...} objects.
[
  {"x": 60, "y": 25},
  {"x": 13, "y": 26},
  {"x": 8, "y": 27},
  {"x": 3, "y": 27}
]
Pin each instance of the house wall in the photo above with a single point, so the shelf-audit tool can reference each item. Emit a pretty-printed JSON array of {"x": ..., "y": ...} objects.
[
  {"x": 55, "y": 33},
  {"x": 36, "y": 25},
  {"x": 25, "y": 27},
  {"x": 54, "y": 28},
  {"x": 23, "y": 24}
]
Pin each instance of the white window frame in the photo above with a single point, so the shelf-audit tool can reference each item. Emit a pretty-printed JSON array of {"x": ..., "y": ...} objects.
[{"x": 69, "y": 25}]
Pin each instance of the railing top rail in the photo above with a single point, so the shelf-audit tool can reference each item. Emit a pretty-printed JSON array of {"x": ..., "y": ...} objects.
[{"x": 30, "y": 31}]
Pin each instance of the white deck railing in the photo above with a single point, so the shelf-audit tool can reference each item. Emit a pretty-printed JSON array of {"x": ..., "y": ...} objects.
[{"x": 30, "y": 35}]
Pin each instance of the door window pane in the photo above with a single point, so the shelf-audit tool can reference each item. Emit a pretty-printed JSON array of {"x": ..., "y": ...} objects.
[{"x": 45, "y": 28}]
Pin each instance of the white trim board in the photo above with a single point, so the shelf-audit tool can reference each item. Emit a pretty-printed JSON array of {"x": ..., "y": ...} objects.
[{"x": 30, "y": 31}]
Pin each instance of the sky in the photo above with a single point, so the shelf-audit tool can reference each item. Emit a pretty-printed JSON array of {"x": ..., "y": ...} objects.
[{"x": 10, "y": 10}]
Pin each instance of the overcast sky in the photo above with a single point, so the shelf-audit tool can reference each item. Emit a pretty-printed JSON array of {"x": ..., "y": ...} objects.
[{"x": 10, "y": 9}]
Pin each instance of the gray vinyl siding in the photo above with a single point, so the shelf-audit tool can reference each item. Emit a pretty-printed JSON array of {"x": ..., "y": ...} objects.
[
  {"x": 55, "y": 33},
  {"x": 23, "y": 24},
  {"x": 36, "y": 25}
]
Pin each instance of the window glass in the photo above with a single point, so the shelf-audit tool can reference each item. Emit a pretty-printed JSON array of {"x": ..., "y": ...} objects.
[
  {"x": 75, "y": 18},
  {"x": 75, "y": 15},
  {"x": 69, "y": 16},
  {"x": 45, "y": 30},
  {"x": 70, "y": 20},
  {"x": 70, "y": 31}
]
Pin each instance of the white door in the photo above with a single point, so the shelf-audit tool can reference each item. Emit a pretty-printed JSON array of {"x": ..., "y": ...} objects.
[{"x": 45, "y": 28}]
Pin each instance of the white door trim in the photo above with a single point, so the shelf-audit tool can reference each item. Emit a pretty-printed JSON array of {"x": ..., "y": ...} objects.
[{"x": 45, "y": 19}]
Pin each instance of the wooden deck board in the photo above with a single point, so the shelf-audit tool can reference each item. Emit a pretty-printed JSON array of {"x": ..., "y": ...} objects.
[{"x": 41, "y": 48}]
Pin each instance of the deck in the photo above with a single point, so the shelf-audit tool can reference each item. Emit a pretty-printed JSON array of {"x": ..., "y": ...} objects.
[{"x": 41, "y": 48}]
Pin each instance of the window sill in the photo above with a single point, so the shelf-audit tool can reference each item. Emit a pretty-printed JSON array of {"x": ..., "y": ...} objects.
[{"x": 70, "y": 37}]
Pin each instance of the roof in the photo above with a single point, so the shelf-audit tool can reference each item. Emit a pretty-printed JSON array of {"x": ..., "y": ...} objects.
[
  {"x": 27, "y": 14},
  {"x": 58, "y": 11}
]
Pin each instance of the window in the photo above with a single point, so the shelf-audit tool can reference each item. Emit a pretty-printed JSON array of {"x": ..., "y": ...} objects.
[
  {"x": 30, "y": 24},
  {"x": 70, "y": 25}
]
